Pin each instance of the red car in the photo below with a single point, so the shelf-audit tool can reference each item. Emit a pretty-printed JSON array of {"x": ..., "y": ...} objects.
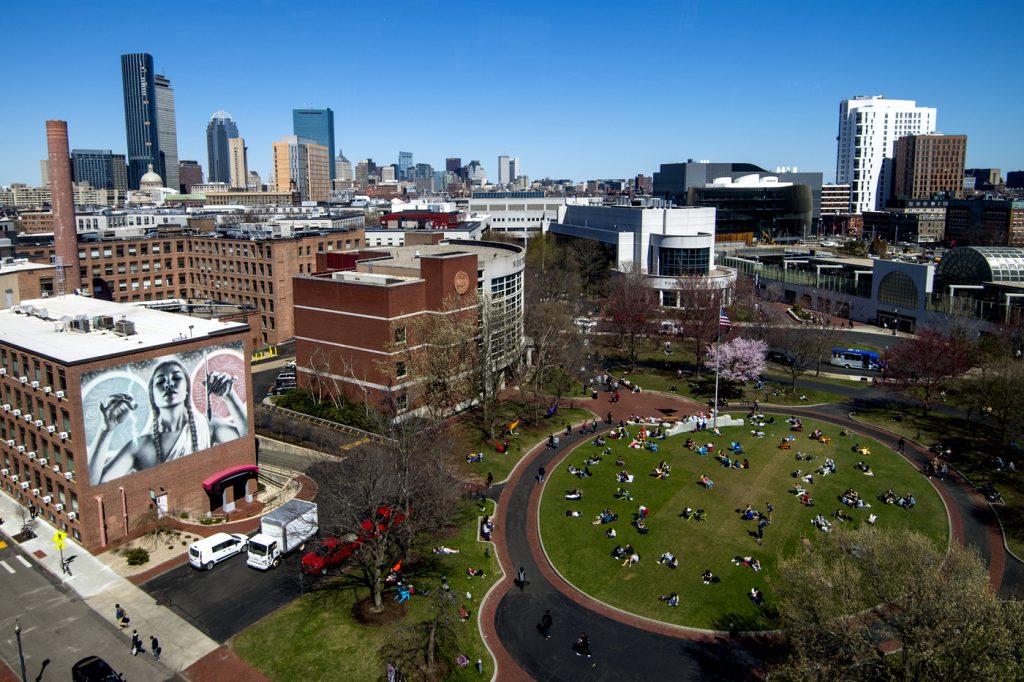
[{"x": 331, "y": 552}]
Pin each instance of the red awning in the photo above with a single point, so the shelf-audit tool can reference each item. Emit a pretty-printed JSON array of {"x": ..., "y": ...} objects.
[{"x": 231, "y": 472}]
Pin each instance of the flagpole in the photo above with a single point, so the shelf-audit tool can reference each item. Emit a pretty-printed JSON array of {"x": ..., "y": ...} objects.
[{"x": 718, "y": 354}]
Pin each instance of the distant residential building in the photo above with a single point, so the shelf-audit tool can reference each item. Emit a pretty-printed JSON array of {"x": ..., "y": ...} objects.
[
  {"x": 930, "y": 214},
  {"x": 835, "y": 199},
  {"x": 303, "y": 165},
  {"x": 189, "y": 173},
  {"x": 95, "y": 166},
  {"x": 140, "y": 116},
  {"x": 926, "y": 165},
  {"x": 44, "y": 172},
  {"x": 239, "y": 162},
  {"x": 219, "y": 130},
  {"x": 23, "y": 196},
  {"x": 317, "y": 125},
  {"x": 985, "y": 179},
  {"x": 167, "y": 130},
  {"x": 868, "y": 130},
  {"x": 985, "y": 222},
  {"x": 643, "y": 184}
]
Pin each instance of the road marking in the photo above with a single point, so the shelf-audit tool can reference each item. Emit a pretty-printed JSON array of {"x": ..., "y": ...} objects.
[
  {"x": 24, "y": 561},
  {"x": 4, "y": 564}
]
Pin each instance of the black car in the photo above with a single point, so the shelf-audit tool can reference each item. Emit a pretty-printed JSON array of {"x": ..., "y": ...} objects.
[
  {"x": 94, "y": 669},
  {"x": 779, "y": 357}
]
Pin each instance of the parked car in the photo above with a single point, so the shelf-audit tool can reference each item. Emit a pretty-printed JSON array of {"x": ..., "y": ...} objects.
[
  {"x": 215, "y": 549},
  {"x": 284, "y": 388},
  {"x": 286, "y": 378},
  {"x": 94, "y": 669},
  {"x": 332, "y": 552},
  {"x": 779, "y": 357}
]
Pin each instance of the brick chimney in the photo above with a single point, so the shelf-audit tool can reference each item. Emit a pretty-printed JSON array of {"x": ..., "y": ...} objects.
[{"x": 62, "y": 198}]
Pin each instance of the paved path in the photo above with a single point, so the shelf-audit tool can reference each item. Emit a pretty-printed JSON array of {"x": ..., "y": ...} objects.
[{"x": 630, "y": 647}]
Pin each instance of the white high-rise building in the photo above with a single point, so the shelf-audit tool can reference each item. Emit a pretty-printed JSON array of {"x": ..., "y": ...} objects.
[
  {"x": 503, "y": 170},
  {"x": 868, "y": 130}
]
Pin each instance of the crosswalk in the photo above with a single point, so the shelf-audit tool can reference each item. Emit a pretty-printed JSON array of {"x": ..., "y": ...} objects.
[{"x": 20, "y": 559}]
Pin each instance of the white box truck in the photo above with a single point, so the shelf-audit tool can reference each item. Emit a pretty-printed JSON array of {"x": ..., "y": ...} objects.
[{"x": 285, "y": 529}]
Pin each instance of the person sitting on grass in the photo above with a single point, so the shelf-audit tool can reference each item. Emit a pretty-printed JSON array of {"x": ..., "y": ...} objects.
[
  {"x": 631, "y": 559},
  {"x": 690, "y": 444},
  {"x": 475, "y": 573},
  {"x": 624, "y": 494},
  {"x": 606, "y": 516},
  {"x": 445, "y": 550},
  {"x": 708, "y": 577},
  {"x": 821, "y": 523},
  {"x": 750, "y": 561},
  {"x": 842, "y": 516},
  {"x": 706, "y": 482},
  {"x": 757, "y": 597},
  {"x": 671, "y": 600},
  {"x": 610, "y": 533},
  {"x": 620, "y": 462},
  {"x": 576, "y": 494},
  {"x": 599, "y": 440},
  {"x": 806, "y": 500},
  {"x": 666, "y": 558},
  {"x": 907, "y": 501},
  {"x": 865, "y": 468},
  {"x": 618, "y": 552},
  {"x": 749, "y": 514},
  {"x": 572, "y": 513},
  {"x": 623, "y": 477}
]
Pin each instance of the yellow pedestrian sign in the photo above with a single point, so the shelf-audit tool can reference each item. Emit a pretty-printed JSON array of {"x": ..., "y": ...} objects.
[{"x": 59, "y": 538}]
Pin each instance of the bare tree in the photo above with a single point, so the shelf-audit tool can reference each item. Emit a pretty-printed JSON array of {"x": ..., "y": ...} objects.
[
  {"x": 699, "y": 314},
  {"x": 922, "y": 367},
  {"x": 632, "y": 306},
  {"x": 801, "y": 350},
  {"x": 414, "y": 648}
]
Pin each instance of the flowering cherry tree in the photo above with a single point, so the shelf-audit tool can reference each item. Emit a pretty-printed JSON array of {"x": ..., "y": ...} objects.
[{"x": 739, "y": 360}]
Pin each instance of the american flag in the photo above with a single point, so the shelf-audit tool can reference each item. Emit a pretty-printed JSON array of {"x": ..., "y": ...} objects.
[{"x": 723, "y": 319}]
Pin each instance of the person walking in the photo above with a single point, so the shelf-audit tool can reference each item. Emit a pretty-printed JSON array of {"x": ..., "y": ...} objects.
[
  {"x": 540, "y": 474},
  {"x": 490, "y": 479},
  {"x": 136, "y": 643},
  {"x": 154, "y": 646},
  {"x": 583, "y": 645},
  {"x": 901, "y": 445},
  {"x": 546, "y": 622},
  {"x": 761, "y": 525},
  {"x": 120, "y": 616},
  {"x": 521, "y": 578}
]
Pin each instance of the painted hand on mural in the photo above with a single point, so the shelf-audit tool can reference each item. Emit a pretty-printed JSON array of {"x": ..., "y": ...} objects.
[{"x": 116, "y": 410}]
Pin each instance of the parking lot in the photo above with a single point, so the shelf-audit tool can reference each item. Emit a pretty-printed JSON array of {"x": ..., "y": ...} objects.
[{"x": 231, "y": 597}]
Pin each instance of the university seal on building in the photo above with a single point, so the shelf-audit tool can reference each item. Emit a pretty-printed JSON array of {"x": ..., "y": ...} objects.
[{"x": 461, "y": 282}]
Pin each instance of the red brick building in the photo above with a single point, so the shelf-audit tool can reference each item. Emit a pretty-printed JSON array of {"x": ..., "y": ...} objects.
[{"x": 109, "y": 411}]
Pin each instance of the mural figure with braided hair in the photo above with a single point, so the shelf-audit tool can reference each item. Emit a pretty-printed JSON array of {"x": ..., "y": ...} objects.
[{"x": 177, "y": 428}]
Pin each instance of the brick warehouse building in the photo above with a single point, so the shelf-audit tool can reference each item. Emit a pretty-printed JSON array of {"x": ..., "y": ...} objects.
[
  {"x": 352, "y": 320},
  {"x": 105, "y": 415},
  {"x": 254, "y": 273}
]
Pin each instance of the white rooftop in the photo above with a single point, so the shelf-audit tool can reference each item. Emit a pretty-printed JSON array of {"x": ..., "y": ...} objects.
[
  {"x": 20, "y": 264},
  {"x": 47, "y": 329}
]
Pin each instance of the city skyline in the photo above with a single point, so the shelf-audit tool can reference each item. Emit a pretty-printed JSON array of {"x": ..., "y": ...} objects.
[{"x": 567, "y": 109}]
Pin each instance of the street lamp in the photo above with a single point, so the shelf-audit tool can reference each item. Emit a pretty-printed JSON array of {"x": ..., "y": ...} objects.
[{"x": 21, "y": 652}]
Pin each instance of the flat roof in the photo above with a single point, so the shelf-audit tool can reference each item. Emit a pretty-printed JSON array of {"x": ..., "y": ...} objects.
[
  {"x": 856, "y": 262},
  {"x": 409, "y": 256},
  {"x": 21, "y": 265},
  {"x": 52, "y": 337}
]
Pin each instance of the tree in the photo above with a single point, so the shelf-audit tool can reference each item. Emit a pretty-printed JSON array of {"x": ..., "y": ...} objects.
[
  {"x": 823, "y": 328},
  {"x": 997, "y": 390},
  {"x": 800, "y": 348},
  {"x": 415, "y": 647},
  {"x": 921, "y": 367},
  {"x": 852, "y": 589},
  {"x": 632, "y": 305},
  {"x": 699, "y": 314},
  {"x": 738, "y": 360}
]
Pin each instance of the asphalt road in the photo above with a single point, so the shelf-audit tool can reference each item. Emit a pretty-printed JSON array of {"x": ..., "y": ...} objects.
[
  {"x": 58, "y": 629},
  {"x": 231, "y": 597}
]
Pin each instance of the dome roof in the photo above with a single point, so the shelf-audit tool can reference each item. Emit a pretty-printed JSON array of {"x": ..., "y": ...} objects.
[
  {"x": 977, "y": 264},
  {"x": 151, "y": 178},
  {"x": 221, "y": 116}
]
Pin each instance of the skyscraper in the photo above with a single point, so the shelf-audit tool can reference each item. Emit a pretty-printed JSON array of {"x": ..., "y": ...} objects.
[
  {"x": 925, "y": 165},
  {"x": 167, "y": 130},
  {"x": 95, "y": 166},
  {"x": 316, "y": 125},
  {"x": 342, "y": 168},
  {"x": 301, "y": 164},
  {"x": 120, "y": 164},
  {"x": 219, "y": 130},
  {"x": 508, "y": 169},
  {"x": 453, "y": 164},
  {"x": 140, "y": 117},
  {"x": 404, "y": 164},
  {"x": 868, "y": 130},
  {"x": 238, "y": 154}
]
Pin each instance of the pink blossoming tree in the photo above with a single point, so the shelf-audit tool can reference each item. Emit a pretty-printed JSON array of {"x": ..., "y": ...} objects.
[{"x": 739, "y": 359}]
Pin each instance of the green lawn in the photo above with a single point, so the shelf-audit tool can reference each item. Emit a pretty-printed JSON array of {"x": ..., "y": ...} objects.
[
  {"x": 581, "y": 553},
  {"x": 316, "y": 638},
  {"x": 527, "y": 436},
  {"x": 974, "y": 446}
]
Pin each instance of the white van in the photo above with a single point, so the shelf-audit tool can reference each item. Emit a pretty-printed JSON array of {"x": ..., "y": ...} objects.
[{"x": 215, "y": 549}]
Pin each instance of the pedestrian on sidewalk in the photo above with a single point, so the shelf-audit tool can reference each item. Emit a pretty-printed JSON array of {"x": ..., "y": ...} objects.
[
  {"x": 540, "y": 474},
  {"x": 136, "y": 643},
  {"x": 901, "y": 445},
  {"x": 490, "y": 479},
  {"x": 521, "y": 578},
  {"x": 120, "y": 616},
  {"x": 546, "y": 622},
  {"x": 583, "y": 645},
  {"x": 154, "y": 646}
]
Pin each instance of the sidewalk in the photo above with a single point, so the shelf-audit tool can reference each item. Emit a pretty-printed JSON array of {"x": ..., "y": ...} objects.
[{"x": 101, "y": 588}]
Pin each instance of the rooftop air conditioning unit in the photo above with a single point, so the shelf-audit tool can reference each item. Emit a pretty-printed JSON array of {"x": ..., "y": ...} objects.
[
  {"x": 69, "y": 475},
  {"x": 72, "y": 516},
  {"x": 25, "y": 485},
  {"x": 39, "y": 423},
  {"x": 43, "y": 461},
  {"x": 4, "y": 472},
  {"x": 48, "y": 390},
  {"x": 59, "y": 394},
  {"x": 81, "y": 325},
  {"x": 47, "y": 499},
  {"x": 51, "y": 428},
  {"x": 59, "y": 506},
  {"x": 56, "y": 468},
  {"x": 103, "y": 322},
  {"x": 124, "y": 327},
  {"x": 35, "y": 384},
  {"x": 35, "y": 491},
  {"x": 63, "y": 435}
]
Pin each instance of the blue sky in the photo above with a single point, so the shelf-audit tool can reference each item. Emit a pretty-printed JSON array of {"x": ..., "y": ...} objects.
[{"x": 575, "y": 89}]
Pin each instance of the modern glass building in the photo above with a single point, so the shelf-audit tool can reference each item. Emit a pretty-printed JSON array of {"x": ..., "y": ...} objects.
[
  {"x": 95, "y": 166},
  {"x": 167, "y": 130},
  {"x": 219, "y": 130},
  {"x": 316, "y": 125},
  {"x": 404, "y": 164},
  {"x": 140, "y": 117}
]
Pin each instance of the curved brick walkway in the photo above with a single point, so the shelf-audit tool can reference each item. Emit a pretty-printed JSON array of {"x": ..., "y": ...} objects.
[{"x": 631, "y": 647}]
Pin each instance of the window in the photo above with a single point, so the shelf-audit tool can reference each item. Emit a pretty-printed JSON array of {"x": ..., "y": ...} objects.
[
  {"x": 402, "y": 403},
  {"x": 897, "y": 288},
  {"x": 678, "y": 262},
  {"x": 400, "y": 335},
  {"x": 400, "y": 370}
]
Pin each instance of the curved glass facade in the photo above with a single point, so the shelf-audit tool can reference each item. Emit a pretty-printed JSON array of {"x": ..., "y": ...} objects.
[
  {"x": 679, "y": 262},
  {"x": 897, "y": 288},
  {"x": 977, "y": 264}
]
